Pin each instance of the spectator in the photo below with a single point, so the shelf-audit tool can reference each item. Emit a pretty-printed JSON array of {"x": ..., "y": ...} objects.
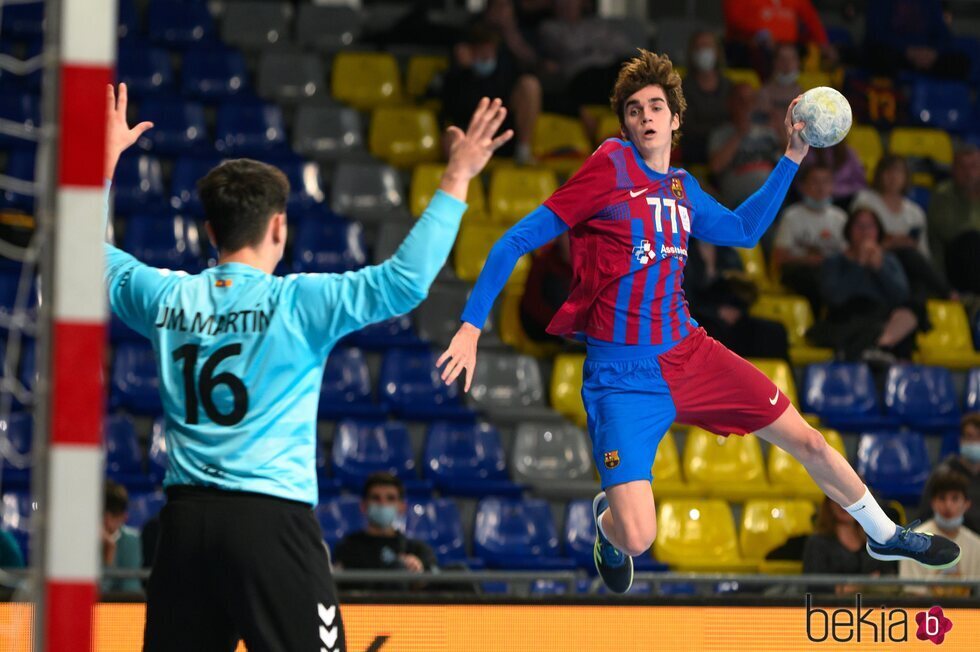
[
  {"x": 947, "y": 495},
  {"x": 911, "y": 35},
  {"x": 866, "y": 293},
  {"x": 546, "y": 289},
  {"x": 743, "y": 151},
  {"x": 121, "y": 547},
  {"x": 904, "y": 221},
  {"x": 850, "y": 177},
  {"x": 719, "y": 298},
  {"x": 837, "y": 547},
  {"x": 967, "y": 464},
  {"x": 809, "y": 231},
  {"x": 479, "y": 71},
  {"x": 954, "y": 222},
  {"x": 783, "y": 85},
  {"x": 755, "y": 27},
  {"x": 501, "y": 16},
  {"x": 706, "y": 90},
  {"x": 380, "y": 546},
  {"x": 10, "y": 555}
]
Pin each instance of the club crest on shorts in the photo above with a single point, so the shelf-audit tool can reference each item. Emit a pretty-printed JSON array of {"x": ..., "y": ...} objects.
[
  {"x": 612, "y": 459},
  {"x": 677, "y": 188}
]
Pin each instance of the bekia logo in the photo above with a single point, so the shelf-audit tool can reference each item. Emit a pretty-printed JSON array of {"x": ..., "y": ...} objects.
[{"x": 878, "y": 625}]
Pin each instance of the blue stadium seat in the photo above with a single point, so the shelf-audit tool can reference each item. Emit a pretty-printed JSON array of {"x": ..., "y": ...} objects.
[
  {"x": 16, "y": 511},
  {"x": 327, "y": 243},
  {"x": 843, "y": 395},
  {"x": 22, "y": 50},
  {"x": 213, "y": 73},
  {"x": 145, "y": 69},
  {"x": 137, "y": 184},
  {"x": 305, "y": 187},
  {"x": 20, "y": 165},
  {"x": 896, "y": 464},
  {"x": 976, "y": 327},
  {"x": 922, "y": 397},
  {"x": 517, "y": 534},
  {"x": 467, "y": 459},
  {"x": 436, "y": 522},
  {"x": 179, "y": 22},
  {"x": 124, "y": 461},
  {"x": 339, "y": 517},
  {"x": 183, "y": 183},
  {"x": 941, "y": 104},
  {"x": 179, "y": 127},
  {"x": 156, "y": 456},
  {"x": 28, "y": 367},
  {"x": 164, "y": 241},
  {"x": 250, "y": 128},
  {"x": 950, "y": 445},
  {"x": 411, "y": 386},
  {"x": 120, "y": 332},
  {"x": 23, "y": 20},
  {"x": 579, "y": 539},
  {"x": 22, "y": 108},
  {"x": 346, "y": 388},
  {"x": 920, "y": 196},
  {"x": 135, "y": 385},
  {"x": 129, "y": 23},
  {"x": 363, "y": 446},
  {"x": 397, "y": 331},
  {"x": 18, "y": 430},
  {"x": 9, "y": 286},
  {"x": 143, "y": 506}
]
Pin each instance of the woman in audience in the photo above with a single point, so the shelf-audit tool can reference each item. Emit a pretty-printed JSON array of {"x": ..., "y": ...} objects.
[
  {"x": 706, "y": 90},
  {"x": 904, "y": 221}
]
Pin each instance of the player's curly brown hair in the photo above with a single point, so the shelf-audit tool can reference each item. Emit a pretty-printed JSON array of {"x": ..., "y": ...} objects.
[{"x": 645, "y": 69}]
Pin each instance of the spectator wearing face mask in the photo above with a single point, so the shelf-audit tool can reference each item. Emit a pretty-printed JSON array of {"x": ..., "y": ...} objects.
[
  {"x": 850, "y": 176},
  {"x": 706, "y": 90},
  {"x": 783, "y": 85},
  {"x": 966, "y": 463},
  {"x": 946, "y": 492}
]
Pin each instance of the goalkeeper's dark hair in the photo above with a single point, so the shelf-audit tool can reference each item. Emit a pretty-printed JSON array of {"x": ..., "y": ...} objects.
[{"x": 240, "y": 196}]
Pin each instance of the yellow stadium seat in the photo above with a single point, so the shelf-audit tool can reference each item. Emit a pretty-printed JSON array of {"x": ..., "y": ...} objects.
[
  {"x": 789, "y": 477},
  {"x": 472, "y": 247},
  {"x": 698, "y": 535},
  {"x": 515, "y": 192},
  {"x": 813, "y": 79},
  {"x": 795, "y": 314},
  {"x": 365, "y": 80},
  {"x": 512, "y": 331},
  {"x": 560, "y": 142},
  {"x": 668, "y": 482},
  {"x": 743, "y": 76},
  {"x": 921, "y": 142},
  {"x": 866, "y": 142},
  {"x": 681, "y": 71},
  {"x": 421, "y": 69},
  {"x": 609, "y": 127},
  {"x": 404, "y": 135},
  {"x": 949, "y": 343},
  {"x": 566, "y": 388},
  {"x": 768, "y": 524},
  {"x": 778, "y": 372},
  {"x": 426, "y": 178},
  {"x": 725, "y": 467},
  {"x": 755, "y": 268}
]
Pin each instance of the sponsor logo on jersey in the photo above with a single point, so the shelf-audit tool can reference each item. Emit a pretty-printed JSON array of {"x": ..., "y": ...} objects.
[
  {"x": 672, "y": 251},
  {"x": 222, "y": 283},
  {"x": 612, "y": 459},
  {"x": 677, "y": 188}
]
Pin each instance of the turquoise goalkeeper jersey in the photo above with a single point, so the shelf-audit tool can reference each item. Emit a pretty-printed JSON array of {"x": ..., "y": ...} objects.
[{"x": 241, "y": 352}]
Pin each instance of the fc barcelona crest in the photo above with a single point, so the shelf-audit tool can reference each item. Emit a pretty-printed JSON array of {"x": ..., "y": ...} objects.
[
  {"x": 677, "y": 188},
  {"x": 612, "y": 459}
]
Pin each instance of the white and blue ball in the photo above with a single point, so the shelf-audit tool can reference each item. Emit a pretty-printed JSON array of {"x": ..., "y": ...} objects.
[{"x": 827, "y": 115}]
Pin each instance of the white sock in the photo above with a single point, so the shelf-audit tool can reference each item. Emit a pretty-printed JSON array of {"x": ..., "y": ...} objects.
[
  {"x": 602, "y": 529},
  {"x": 869, "y": 514}
]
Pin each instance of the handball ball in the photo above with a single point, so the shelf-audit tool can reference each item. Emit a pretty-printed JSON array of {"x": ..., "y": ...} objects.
[{"x": 827, "y": 116}]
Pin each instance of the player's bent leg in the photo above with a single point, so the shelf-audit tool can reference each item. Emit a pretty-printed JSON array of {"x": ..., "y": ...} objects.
[{"x": 631, "y": 522}]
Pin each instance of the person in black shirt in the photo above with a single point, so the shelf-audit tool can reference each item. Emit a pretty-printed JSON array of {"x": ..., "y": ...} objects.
[{"x": 380, "y": 545}]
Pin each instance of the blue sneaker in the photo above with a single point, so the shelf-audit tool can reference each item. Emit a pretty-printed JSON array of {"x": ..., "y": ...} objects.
[
  {"x": 615, "y": 567},
  {"x": 929, "y": 550}
]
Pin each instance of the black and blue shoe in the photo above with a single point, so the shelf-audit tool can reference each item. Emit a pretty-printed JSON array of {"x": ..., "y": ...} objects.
[
  {"x": 615, "y": 567},
  {"x": 929, "y": 550}
]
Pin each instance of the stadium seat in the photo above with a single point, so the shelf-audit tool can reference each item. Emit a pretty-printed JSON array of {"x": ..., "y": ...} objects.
[
  {"x": 129, "y": 20},
  {"x": 257, "y": 24},
  {"x": 411, "y": 386},
  {"x": 346, "y": 389},
  {"x": 371, "y": 192},
  {"x": 23, "y": 109},
  {"x": 668, "y": 481},
  {"x": 467, "y": 459},
  {"x": 794, "y": 313},
  {"x": 365, "y": 80},
  {"x": 421, "y": 70},
  {"x": 949, "y": 343},
  {"x": 156, "y": 455},
  {"x": 976, "y": 329},
  {"x": 813, "y": 78},
  {"x": 790, "y": 478},
  {"x": 404, "y": 136},
  {"x": 546, "y": 454},
  {"x": 9, "y": 287},
  {"x": 137, "y": 184},
  {"x": 437, "y": 319},
  {"x": 123, "y": 460},
  {"x": 608, "y": 127},
  {"x": 187, "y": 171},
  {"x": 306, "y": 190},
  {"x": 164, "y": 241},
  {"x": 566, "y": 388},
  {"x": 515, "y": 192},
  {"x": 844, "y": 396},
  {"x": 560, "y": 143},
  {"x": 756, "y": 270},
  {"x": 328, "y": 133},
  {"x": 472, "y": 248},
  {"x": 726, "y": 467},
  {"x": 743, "y": 76},
  {"x": 213, "y": 73},
  {"x": 922, "y": 142},
  {"x": 922, "y": 397},
  {"x": 517, "y": 534},
  {"x": 511, "y": 329},
  {"x": 23, "y": 20},
  {"x": 940, "y": 104},
  {"x": 249, "y": 129},
  {"x": 505, "y": 382},
  {"x": 145, "y": 70},
  {"x": 920, "y": 196},
  {"x": 339, "y": 517},
  {"x": 18, "y": 431},
  {"x": 178, "y": 23},
  {"x": 144, "y": 506},
  {"x": 895, "y": 464},
  {"x": 436, "y": 522},
  {"x": 866, "y": 142},
  {"x": 698, "y": 535},
  {"x": 179, "y": 127},
  {"x": 426, "y": 178},
  {"x": 20, "y": 166},
  {"x": 363, "y": 446},
  {"x": 780, "y": 374},
  {"x": 328, "y": 28},
  {"x": 135, "y": 384},
  {"x": 396, "y": 331},
  {"x": 580, "y": 532},
  {"x": 972, "y": 403},
  {"x": 768, "y": 524},
  {"x": 288, "y": 77},
  {"x": 328, "y": 244},
  {"x": 28, "y": 367}
]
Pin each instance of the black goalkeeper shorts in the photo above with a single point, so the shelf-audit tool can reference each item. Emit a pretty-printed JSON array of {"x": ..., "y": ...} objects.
[{"x": 233, "y": 566}]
